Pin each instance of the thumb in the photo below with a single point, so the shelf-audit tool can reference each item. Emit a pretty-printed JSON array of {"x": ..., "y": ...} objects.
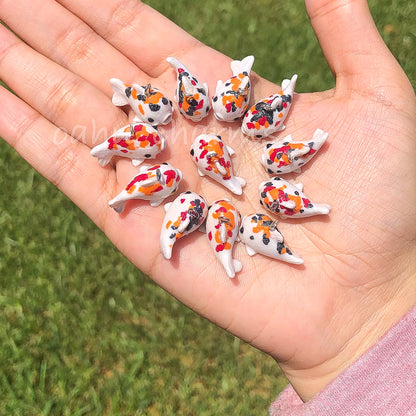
[{"x": 353, "y": 48}]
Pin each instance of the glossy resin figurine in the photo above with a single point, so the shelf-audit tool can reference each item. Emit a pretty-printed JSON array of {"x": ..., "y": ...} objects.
[
  {"x": 183, "y": 216},
  {"x": 259, "y": 234},
  {"x": 213, "y": 159},
  {"x": 191, "y": 96},
  {"x": 267, "y": 116},
  {"x": 289, "y": 156},
  {"x": 231, "y": 97},
  {"x": 137, "y": 141},
  {"x": 222, "y": 225},
  {"x": 149, "y": 104},
  {"x": 287, "y": 200},
  {"x": 153, "y": 183}
]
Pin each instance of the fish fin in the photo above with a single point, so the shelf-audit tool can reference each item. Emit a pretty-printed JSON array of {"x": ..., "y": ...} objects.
[
  {"x": 119, "y": 92},
  {"x": 223, "y": 233},
  {"x": 143, "y": 168},
  {"x": 189, "y": 89},
  {"x": 288, "y": 204},
  {"x": 241, "y": 181},
  {"x": 138, "y": 88},
  {"x": 219, "y": 86},
  {"x": 137, "y": 162},
  {"x": 298, "y": 170},
  {"x": 203, "y": 227},
  {"x": 156, "y": 202},
  {"x": 245, "y": 65},
  {"x": 149, "y": 182},
  {"x": 304, "y": 150},
  {"x": 230, "y": 150},
  {"x": 205, "y": 87},
  {"x": 288, "y": 85},
  {"x": 322, "y": 208},
  {"x": 104, "y": 161},
  {"x": 200, "y": 173},
  {"x": 221, "y": 169},
  {"x": 276, "y": 102},
  {"x": 277, "y": 235},
  {"x": 117, "y": 205},
  {"x": 281, "y": 128},
  {"x": 237, "y": 265},
  {"x": 250, "y": 251},
  {"x": 183, "y": 225},
  {"x": 167, "y": 206},
  {"x": 299, "y": 185}
]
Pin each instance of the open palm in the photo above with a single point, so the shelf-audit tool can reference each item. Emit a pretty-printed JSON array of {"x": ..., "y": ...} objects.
[{"x": 356, "y": 281}]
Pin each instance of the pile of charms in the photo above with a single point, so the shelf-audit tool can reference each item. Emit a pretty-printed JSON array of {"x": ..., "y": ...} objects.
[{"x": 141, "y": 140}]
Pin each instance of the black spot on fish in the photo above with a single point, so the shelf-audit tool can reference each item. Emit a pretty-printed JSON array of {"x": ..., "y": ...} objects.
[
  {"x": 268, "y": 184},
  {"x": 192, "y": 152},
  {"x": 301, "y": 211},
  {"x": 266, "y": 240},
  {"x": 207, "y": 109},
  {"x": 296, "y": 193},
  {"x": 263, "y": 194},
  {"x": 245, "y": 73},
  {"x": 237, "y": 118},
  {"x": 242, "y": 230},
  {"x": 201, "y": 91},
  {"x": 147, "y": 155},
  {"x": 252, "y": 237},
  {"x": 170, "y": 102},
  {"x": 269, "y": 145},
  {"x": 269, "y": 171},
  {"x": 310, "y": 205},
  {"x": 259, "y": 136},
  {"x": 172, "y": 235},
  {"x": 150, "y": 120},
  {"x": 165, "y": 100},
  {"x": 269, "y": 162},
  {"x": 141, "y": 97},
  {"x": 154, "y": 107},
  {"x": 261, "y": 202},
  {"x": 215, "y": 99},
  {"x": 127, "y": 91},
  {"x": 227, "y": 84},
  {"x": 164, "y": 163}
]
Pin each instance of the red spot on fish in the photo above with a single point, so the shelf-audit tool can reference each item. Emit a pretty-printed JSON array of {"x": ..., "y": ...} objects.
[
  {"x": 180, "y": 70},
  {"x": 228, "y": 107},
  {"x": 250, "y": 125},
  {"x": 220, "y": 247},
  {"x": 183, "y": 215},
  {"x": 262, "y": 121},
  {"x": 182, "y": 200},
  {"x": 210, "y": 236},
  {"x": 193, "y": 82},
  {"x": 138, "y": 178},
  {"x": 306, "y": 201}
]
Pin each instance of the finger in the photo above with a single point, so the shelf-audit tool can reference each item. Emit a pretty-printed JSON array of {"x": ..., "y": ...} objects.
[
  {"x": 64, "y": 38},
  {"x": 144, "y": 35},
  {"x": 349, "y": 40},
  {"x": 62, "y": 160},
  {"x": 60, "y": 96}
]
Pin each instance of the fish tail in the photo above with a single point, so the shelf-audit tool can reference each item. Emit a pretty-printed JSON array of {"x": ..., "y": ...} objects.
[
  {"x": 119, "y": 92},
  {"x": 320, "y": 137},
  {"x": 118, "y": 204},
  {"x": 245, "y": 65},
  {"x": 166, "y": 245},
  {"x": 175, "y": 63}
]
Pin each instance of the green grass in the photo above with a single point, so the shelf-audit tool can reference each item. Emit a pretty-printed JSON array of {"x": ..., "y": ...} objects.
[{"x": 82, "y": 332}]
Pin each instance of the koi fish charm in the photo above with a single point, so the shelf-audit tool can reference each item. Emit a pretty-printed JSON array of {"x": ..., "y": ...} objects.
[
  {"x": 222, "y": 225},
  {"x": 183, "y": 216},
  {"x": 149, "y": 104},
  {"x": 289, "y": 156},
  {"x": 287, "y": 200},
  {"x": 153, "y": 184},
  {"x": 267, "y": 116},
  {"x": 213, "y": 158},
  {"x": 191, "y": 96},
  {"x": 137, "y": 141},
  {"x": 231, "y": 97},
  {"x": 259, "y": 234}
]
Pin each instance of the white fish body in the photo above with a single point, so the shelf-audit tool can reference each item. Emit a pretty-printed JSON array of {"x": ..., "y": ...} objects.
[
  {"x": 268, "y": 115},
  {"x": 213, "y": 158},
  {"x": 289, "y": 156},
  {"x": 222, "y": 225},
  {"x": 191, "y": 95},
  {"x": 154, "y": 184},
  {"x": 288, "y": 201},
  {"x": 259, "y": 234},
  {"x": 149, "y": 104},
  {"x": 231, "y": 97},
  {"x": 183, "y": 216},
  {"x": 137, "y": 141}
]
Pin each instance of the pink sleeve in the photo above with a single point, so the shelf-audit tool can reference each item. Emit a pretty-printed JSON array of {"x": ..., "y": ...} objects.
[{"x": 381, "y": 382}]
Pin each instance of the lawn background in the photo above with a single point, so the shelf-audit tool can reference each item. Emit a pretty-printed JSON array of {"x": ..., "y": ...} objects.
[{"x": 82, "y": 332}]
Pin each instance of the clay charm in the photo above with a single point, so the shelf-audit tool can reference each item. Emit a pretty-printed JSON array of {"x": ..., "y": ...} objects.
[
  {"x": 191, "y": 96},
  {"x": 213, "y": 158},
  {"x": 231, "y": 97},
  {"x": 267, "y": 116},
  {"x": 222, "y": 225},
  {"x": 287, "y": 200},
  {"x": 153, "y": 183},
  {"x": 137, "y": 141},
  {"x": 183, "y": 216},
  {"x": 259, "y": 234},
  {"x": 148, "y": 103},
  {"x": 290, "y": 156}
]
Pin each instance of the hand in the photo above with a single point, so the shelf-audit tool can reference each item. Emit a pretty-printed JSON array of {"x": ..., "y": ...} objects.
[{"x": 357, "y": 280}]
